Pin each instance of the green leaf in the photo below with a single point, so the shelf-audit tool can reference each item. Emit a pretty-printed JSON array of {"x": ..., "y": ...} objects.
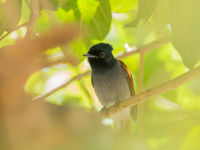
[
  {"x": 87, "y": 9},
  {"x": 68, "y": 4},
  {"x": 54, "y": 3},
  {"x": 185, "y": 23},
  {"x": 192, "y": 140},
  {"x": 43, "y": 23},
  {"x": 25, "y": 12},
  {"x": 10, "y": 13},
  {"x": 50, "y": 4},
  {"x": 65, "y": 16},
  {"x": 123, "y": 7},
  {"x": 161, "y": 12},
  {"x": 35, "y": 84},
  {"x": 98, "y": 26},
  {"x": 145, "y": 11}
]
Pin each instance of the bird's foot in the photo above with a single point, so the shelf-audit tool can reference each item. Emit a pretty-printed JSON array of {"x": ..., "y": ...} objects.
[
  {"x": 117, "y": 103},
  {"x": 103, "y": 109}
]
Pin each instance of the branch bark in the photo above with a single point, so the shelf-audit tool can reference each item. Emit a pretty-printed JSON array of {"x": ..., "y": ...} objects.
[
  {"x": 35, "y": 13},
  {"x": 142, "y": 96},
  {"x": 147, "y": 47},
  {"x": 141, "y": 106}
]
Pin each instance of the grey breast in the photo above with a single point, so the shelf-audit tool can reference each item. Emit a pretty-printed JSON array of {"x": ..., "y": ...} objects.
[{"x": 111, "y": 85}]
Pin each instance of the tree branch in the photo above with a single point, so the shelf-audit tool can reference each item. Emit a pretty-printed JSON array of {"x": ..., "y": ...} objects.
[
  {"x": 145, "y": 48},
  {"x": 43, "y": 96},
  {"x": 35, "y": 13},
  {"x": 141, "y": 106},
  {"x": 172, "y": 84}
]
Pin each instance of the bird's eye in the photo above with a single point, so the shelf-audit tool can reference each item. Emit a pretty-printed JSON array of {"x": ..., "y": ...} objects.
[{"x": 102, "y": 54}]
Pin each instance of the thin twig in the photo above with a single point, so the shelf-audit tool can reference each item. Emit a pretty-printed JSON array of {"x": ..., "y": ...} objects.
[
  {"x": 86, "y": 91},
  {"x": 141, "y": 71},
  {"x": 142, "y": 96},
  {"x": 5, "y": 35},
  {"x": 141, "y": 106},
  {"x": 144, "y": 49},
  {"x": 43, "y": 96}
]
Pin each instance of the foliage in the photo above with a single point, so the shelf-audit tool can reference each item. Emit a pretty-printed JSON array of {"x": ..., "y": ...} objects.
[{"x": 170, "y": 120}]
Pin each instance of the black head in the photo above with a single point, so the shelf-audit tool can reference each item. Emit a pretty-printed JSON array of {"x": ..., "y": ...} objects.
[{"x": 100, "y": 56}]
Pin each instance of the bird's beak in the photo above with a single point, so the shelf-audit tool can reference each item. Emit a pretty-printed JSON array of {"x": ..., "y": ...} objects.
[{"x": 90, "y": 56}]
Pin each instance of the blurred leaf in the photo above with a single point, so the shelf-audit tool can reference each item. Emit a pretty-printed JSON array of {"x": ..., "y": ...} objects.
[
  {"x": 188, "y": 100},
  {"x": 65, "y": 16},
  {"x": 145, "y": 11},
  {"x": 142, "y": 32},
  {"x": 192, "y": 140},
  {"x": 35, "y": 84},
  {"x": 185, "y": 22},
  {"x": 68, "y": 4},
  {"x": 194, "y": 86},
  {"x": 49, "y": 4},
  {"x": 155, "y": 143},
  {"x": 99, "y": 26},
  {"x": 54, "y": 4},
  {"x": 87, "y": 9},
  {"x": 74, "y": 51},
  {"x": 161, "y": 12},
  {"x": 43, "y": 23},
  {"x": 2, "y": 1},
  {"x": 124, "y": 7},
  {"x": 25, "y": 12},
  {"x": 62, "y": 97},
  {"x": 10, "y": 12}
]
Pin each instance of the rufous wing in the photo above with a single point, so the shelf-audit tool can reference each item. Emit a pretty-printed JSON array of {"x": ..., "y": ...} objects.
[{"x": 129, "y": 77}]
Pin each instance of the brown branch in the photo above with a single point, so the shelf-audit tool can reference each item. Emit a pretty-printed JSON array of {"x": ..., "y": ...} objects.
[
  {"x": 141, "y": 71},
  {"x": 144, "y": 49},
  {"x": 33, "y": 47},
  {"x": 141, "y": 97},
  {"x": 35, "y": 13},
  {"x": 86, "y": 91},
  {"x": 16, "y": 28},
  {"x": 141, "y": 106}
]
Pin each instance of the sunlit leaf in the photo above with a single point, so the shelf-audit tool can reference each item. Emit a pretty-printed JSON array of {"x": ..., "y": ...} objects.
[
  {"x": 43, "y": 23},
  {"x": 145, "y": 11},
  {"x": 65, "y": 16},
  {"x": 99, "y": 25},
  {"x": 10, "y": 13},
  {"x": 191, "y": 141},
  {"x": 124, "y": 7},
  {"x": 161, "y": 12},
  {"x": 87, "y": 9},
  {"x": 185, "y": 29}
]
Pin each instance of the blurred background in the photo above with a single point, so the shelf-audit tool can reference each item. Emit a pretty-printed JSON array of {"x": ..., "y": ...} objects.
[{"x": 46, "y": 98}]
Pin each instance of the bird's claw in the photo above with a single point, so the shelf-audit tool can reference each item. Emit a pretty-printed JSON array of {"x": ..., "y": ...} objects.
[{"x": 117, "y": 103}]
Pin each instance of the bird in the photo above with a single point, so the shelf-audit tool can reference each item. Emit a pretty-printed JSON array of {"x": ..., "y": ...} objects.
[{"x": 112, "y": 82}]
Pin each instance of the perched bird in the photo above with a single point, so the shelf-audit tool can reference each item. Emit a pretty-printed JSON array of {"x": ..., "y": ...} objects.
[{"x": 112, "y": 81}]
